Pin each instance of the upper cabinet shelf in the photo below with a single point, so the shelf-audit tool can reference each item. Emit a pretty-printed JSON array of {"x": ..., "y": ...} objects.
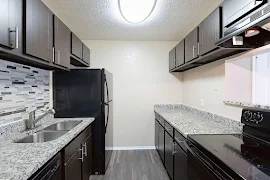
[
  {"x": 200, "y": 48},
  {"x": 30, "y": 34}
]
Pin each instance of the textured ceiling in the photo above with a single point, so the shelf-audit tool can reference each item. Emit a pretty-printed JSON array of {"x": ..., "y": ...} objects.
[{"x": 101, "y": 19}]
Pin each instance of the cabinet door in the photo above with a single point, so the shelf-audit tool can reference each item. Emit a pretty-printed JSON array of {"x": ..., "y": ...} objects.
[
  {"x": 87, "y": 163},
  {"x": 76, "y": 46},
  {"x": 86, "y": 54},
  {"x": 180, "y": 164},
  {"x": 191, "y": 45},
  {"x": 169, "y": 154},
  {"x": 73, "y": 167},
  {"x": 62, "y": 43},
  {"x": 156, "y": 133},
  {"x": 172, "y": 59},
  {"x": 180, "y": 54},
  {"x": 11, "y": 24},
  {"x": 161, "y": 142},
  {"x": 209, "y": 32},
  {"x": 39, "y": 30}
]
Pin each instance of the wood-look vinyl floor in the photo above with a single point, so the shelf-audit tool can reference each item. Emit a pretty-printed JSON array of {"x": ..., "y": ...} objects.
[{"x": 134, "y": 165}]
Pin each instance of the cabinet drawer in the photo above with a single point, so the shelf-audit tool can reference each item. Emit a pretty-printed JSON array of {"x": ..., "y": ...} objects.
[
  {"x": 169, "y": 128},
  {"x": 160, "y": 119},
  {"x": 180, "y": 139},
  {"x": 75, "y": 144}
]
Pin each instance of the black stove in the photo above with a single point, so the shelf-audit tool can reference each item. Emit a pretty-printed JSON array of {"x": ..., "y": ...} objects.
[{"x": 233, "y": 156}]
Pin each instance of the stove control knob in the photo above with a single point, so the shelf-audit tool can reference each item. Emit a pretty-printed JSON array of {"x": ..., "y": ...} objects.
[
  {"x": 247, "y": 115},
  {"x": 258, "y": 117}
]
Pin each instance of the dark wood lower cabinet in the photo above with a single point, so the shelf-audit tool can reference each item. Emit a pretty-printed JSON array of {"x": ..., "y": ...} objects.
[
  {"x": 161, "y": 147},
  {"x": 173, "y": 156},
  {"x": 77, "y": 157},
  {"x": 180, "y": 163},
  {"x": 169, "y": 154},
  {"x": 87, "y": 162},
  {"x": 73, "y": 167},
  {"x": 156, "y": 134}
]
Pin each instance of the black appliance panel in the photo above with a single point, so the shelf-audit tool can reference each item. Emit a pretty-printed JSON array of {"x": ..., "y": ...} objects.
[
  {"x": 227, "y": 152},
  {"x": 256, "y": 118},
  {"x": 51, "y": 171},
  {"x": 196, "y": 169},
  {"x": 77, "y": 93},
  {"x": 234, "y": 10}
]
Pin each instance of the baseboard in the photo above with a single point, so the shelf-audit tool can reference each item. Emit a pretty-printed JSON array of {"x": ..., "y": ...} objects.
[{"x": 133, "y": 148}]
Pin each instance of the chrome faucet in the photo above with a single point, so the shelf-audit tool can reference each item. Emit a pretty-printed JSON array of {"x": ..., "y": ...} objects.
[{"x": 32, "y": 120}]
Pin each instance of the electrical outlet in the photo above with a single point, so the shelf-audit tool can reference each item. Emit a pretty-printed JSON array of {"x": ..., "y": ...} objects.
[{"x": 202, "y": 102}]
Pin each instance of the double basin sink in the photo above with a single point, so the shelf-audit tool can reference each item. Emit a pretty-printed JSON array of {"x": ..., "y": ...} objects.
[{"x": 50, "y": 133}]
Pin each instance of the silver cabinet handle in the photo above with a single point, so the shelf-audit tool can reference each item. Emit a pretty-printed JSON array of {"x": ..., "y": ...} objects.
[
  {"x": 85, "y": 149},
  {"x": 53, "y": 55},
  {"x": 16, "y": 31},
  {"x": 173, "y": 149},
  {"x": 17, "y": 37},
  {"x": 82, "y": 154},
  {"x": 198, "y": 48},
  {"x": 59, "y": 57},
  {"x": 193, "y": 50}
]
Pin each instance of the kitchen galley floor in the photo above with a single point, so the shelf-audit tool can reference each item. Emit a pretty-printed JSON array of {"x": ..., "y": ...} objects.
[{"x": 134, "y": 165}]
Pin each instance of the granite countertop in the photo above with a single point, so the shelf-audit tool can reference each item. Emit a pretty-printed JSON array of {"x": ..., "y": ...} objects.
[
  {"x": 188, "y": 120},
  {"x": 20, "y": 161}
]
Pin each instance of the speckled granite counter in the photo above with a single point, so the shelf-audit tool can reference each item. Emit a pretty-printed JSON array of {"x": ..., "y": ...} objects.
[
  {"x": 21, "y": 161},
  {"x": 189, "y": 120}
]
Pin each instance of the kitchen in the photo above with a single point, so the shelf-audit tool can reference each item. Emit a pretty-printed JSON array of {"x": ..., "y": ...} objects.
[{"x": 134, "y": 89}]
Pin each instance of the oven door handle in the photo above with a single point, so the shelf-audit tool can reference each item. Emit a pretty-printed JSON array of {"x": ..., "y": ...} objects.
[{"x": 204, "y": 163}]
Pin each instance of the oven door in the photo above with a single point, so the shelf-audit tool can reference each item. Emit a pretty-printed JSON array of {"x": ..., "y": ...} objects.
[
  {"x": 199, "y": 168},
  {"x": 196, "y": 169}
]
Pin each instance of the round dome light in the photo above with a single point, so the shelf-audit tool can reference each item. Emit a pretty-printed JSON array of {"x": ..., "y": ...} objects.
[{"x": 136, "y": 11}]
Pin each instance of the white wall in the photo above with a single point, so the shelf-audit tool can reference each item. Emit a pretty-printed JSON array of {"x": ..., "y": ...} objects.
[
  {"x": 208, "y": 83},
  {"x": 141, "y": 79}
]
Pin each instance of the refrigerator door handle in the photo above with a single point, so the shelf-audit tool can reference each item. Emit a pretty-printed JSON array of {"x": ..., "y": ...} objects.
[
  {"x": 107, "y": 89},
  {"x": 107, "y": 121}
]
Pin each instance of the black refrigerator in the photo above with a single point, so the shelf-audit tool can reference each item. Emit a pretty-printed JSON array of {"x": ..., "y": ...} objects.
[{"x": 88, "y": 93}]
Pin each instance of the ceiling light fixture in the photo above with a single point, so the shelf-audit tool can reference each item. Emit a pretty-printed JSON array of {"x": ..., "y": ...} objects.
[{"x": 136, "y": 11}]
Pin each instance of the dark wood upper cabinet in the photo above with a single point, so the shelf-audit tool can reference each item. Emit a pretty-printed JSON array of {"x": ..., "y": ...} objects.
[
  {"x": 87, "y": 163},
  {"x": 210, "y": 32},
  {"x": 86, "y": 54},
  {"x": 39, "y": 30},
  {"x": 11, "y": 25},
  {"x": 191, "y": 45},
  {"x": 61, "y": 43},
  {"x": 169, "y": 154},
  {"x": 76, "y": 46},
  {"x": 180, "y": 54},
  {"x": 172, "y": 59}
]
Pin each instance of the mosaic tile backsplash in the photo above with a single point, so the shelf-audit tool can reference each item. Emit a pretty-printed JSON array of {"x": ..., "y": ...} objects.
[{"x": 23, "y": 89}]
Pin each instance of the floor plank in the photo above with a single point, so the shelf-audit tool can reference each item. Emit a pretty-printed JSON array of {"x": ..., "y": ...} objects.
[{"x": 134, "y": 165}]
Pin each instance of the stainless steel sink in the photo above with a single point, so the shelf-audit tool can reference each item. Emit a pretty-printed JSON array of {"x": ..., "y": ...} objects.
[
  {"x": 63, "y": 126},
  {"x": 42, "y": 136}
]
